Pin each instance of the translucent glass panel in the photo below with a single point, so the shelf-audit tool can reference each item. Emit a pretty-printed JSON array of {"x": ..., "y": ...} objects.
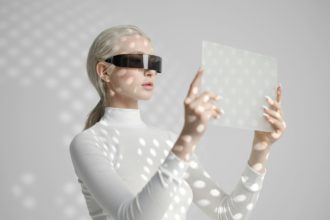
[{"x": 243, "y": 78}]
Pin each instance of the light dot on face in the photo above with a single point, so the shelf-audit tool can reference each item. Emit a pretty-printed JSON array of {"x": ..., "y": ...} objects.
[
  {"x": 240, "y": 198},
  {"x": 129, "y": 80},
  {"x": 145, "y": 43},
  {"x": 118, "y": 89},
  {"x": 199, "y": 184},
  {"x": 203, "y": 202},
  {"x": 200, "y": 128},
  {"x": 214, "y": 192},
  {"x": 132, "y": 45},
  {"x": 187, "y": 156},
  {"x": 121, "y": 72},
  {"x": 112, "y": 93}
]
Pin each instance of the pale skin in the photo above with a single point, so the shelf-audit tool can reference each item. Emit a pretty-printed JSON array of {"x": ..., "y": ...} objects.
[
  {"x": 124, "y": 89},
  {"x": 124, "y": 85}
]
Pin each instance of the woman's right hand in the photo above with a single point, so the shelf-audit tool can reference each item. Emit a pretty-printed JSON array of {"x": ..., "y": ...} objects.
[{"x": 199, "y": 108}]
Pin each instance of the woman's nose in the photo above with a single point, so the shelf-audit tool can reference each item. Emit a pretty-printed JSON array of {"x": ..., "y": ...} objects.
[{"x": 150, "y": 72}]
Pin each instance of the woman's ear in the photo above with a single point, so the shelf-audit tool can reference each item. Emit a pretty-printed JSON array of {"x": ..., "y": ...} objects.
[{"x": 101, "y": 69}]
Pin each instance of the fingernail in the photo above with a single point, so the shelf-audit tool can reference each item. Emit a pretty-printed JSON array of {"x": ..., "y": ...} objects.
[
  {"x": 217, "y": 97},
  {"x": 269, "y": 99},
  {"x": 222, "y": 111},
  {"x": 265, "y": 107}
]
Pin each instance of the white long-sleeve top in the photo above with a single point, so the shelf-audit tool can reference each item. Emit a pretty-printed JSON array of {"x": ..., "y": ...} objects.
[{"x": 127, "y": 171}]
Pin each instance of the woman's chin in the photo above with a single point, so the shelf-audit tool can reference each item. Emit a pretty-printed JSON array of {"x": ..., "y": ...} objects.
[{"x": 146, "y": 96}]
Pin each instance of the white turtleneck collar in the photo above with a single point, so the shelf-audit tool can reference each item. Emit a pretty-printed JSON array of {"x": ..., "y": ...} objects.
[{"x": 123, "y": 117}]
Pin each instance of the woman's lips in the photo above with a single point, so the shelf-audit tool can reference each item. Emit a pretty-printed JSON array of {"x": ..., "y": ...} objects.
[{"x": 148, "y": 86}]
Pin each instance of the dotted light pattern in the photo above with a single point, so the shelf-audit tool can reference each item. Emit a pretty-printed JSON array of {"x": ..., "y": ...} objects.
[
  {"x": 108, "y": 148},
  {"x": 243, "y": 79},
  {"x": 40, "y": 49}
]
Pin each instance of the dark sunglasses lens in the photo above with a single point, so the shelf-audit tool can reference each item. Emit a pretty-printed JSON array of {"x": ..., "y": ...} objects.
[
  {"x": 155, "y": 63},
  {"x": 128, "y": 60},
  {"x": 135, "y": 60}
]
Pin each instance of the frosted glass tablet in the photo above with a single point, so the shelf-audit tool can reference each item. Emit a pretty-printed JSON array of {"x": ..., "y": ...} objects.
[{"x": 243, "y": 78}]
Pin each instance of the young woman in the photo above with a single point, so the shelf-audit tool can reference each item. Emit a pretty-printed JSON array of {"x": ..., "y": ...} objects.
[{"x": 129, "y": 170}]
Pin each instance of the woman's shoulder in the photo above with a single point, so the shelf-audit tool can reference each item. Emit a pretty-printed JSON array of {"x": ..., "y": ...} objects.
[{"x": 85, "y": 137}]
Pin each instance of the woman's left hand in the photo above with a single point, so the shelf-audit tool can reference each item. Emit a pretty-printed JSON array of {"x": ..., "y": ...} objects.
[{"x": 274, "y": 116}]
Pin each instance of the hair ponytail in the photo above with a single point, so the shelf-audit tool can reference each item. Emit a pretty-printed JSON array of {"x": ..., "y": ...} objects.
[{"x": 95, "y": 115}]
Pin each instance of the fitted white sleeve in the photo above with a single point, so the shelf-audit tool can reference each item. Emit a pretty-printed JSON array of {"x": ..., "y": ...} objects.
[
  {"x": 217, "y": 203},
  {"x": 112, "y": 194}
]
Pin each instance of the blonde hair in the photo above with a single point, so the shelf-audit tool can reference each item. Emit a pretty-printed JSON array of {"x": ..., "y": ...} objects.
[{"x": 102, "y": 48}]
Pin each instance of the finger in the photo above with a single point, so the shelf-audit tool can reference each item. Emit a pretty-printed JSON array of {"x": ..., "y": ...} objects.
[
  {"x": 193, "y": 90},
  {"x": 271, "y": 112},
  {"x": 279, "y": 94},
  {"x": 213, "y": 112},
  {"x": 206, "y": 96},
  {"x": 219, "y": 111},
  {"x": 277, "y": 124},
  {"x": 274, "y": 104}
]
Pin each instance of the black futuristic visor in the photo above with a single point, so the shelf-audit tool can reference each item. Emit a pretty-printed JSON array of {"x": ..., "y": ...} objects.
[{"x": 145, "y": 61}]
